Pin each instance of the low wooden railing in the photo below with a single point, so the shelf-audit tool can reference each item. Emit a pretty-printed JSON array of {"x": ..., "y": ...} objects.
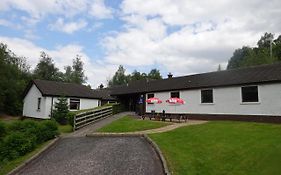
[{"x": 88, "y": 117}]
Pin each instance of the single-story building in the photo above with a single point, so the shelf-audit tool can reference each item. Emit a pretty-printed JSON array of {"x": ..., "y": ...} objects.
[
  {"x": 41, "y": 95},
  {"x": 240, "y": 93}
]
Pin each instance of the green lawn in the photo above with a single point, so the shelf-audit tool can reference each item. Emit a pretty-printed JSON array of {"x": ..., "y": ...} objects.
[
  {"x": 129, "y": 124},
  {"x": 65, "y": 128},
  {"x": 5, "y": 168},
  {"x": 216, "y": 148}
]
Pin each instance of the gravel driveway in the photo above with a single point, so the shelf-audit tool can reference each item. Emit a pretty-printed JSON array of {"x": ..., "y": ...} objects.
[{"x": 98, "y": 155}]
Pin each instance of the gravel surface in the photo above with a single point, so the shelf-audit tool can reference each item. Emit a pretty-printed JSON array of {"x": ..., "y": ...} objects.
[{"x": 98, "y": 155}]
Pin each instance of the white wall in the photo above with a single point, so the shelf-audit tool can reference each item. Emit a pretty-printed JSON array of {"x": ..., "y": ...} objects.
[
  {"x": 31, "y": 102},
  {"x": 227, "y": 100},
  {"x": 84, "y": 103}
]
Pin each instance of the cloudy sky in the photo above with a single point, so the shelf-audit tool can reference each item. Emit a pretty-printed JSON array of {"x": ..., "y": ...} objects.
[{"x": 178, "y": 36}]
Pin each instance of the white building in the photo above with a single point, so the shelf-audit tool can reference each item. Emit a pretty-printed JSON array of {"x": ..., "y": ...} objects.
[
  {"x": 235, "y": 94},
  {"x": 41, "y": 95}
]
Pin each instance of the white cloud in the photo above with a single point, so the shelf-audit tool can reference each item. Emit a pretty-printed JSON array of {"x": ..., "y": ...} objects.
[
  {"x": 99, "y": 10},
  {"x": 70, "y": 27},
  {"x": 96, "y": 71},
  {"x": 206, "y": 32}
]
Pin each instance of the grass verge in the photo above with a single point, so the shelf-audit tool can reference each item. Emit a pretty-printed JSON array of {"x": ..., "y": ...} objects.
[
  {"x": 216, "y": 148},
  {"x": 65, "y": 128},
  {"x": 6, "y": 167},
  {"x": 130, "y": 124}
]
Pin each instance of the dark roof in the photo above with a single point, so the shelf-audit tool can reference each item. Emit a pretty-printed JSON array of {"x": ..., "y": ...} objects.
[
  {"x": 243, "y": 76},
  {"x": 104, "y": 94},
  {"x": 53, "y": 88}
]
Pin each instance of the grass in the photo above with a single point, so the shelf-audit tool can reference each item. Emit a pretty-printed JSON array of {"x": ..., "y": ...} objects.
[
  {"x": 9, "y": 166},
  {"x": 130, "y": 124},
  {"x": 65, "y": 128},
  {"x": 216, "y": 148}
]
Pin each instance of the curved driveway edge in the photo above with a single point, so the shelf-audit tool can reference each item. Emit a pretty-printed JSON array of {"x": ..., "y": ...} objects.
[{"x": 98, "y": 155}]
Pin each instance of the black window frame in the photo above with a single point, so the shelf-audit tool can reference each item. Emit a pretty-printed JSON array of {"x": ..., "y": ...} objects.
[
  {"x": 172, "y": 94},
  {"x": 38, "y": 104},
  {"x": 206, "y": 96},
  {"x": 150, "y": 95},
  {"x": 250, "y": 97},
  {"x": 76, "y": 101}
]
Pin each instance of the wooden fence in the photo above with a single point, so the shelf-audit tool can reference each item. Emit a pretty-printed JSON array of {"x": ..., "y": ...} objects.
[{"x": 88, "y": 117}]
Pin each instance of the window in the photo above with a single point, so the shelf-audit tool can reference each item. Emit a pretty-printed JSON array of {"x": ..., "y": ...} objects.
[
  {"x": 207, "y": 96},
  {"x": 150, "y": 96},
  {"x": 250, "y": 94},
  {"x": 38, "y": 104},
  {"x": 74, "y": 104},
  {"x": 175, "y": 94}
]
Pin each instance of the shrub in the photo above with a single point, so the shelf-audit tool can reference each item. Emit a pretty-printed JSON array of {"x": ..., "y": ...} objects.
[
  {"x": 61, "y": 110},
  {"x": 2, "y": 129},
  {"x": 70, "y": 118},
  {"x": 48, "y": 129},
  {"x": 117, "y": 108},
  {"x": 17, "y": 144}
]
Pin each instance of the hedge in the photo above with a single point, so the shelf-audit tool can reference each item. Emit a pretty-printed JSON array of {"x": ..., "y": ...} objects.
[{"x": 21, "y": 137}]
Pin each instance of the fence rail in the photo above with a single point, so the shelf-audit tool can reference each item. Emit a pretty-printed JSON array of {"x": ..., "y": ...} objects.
[{"x": 88, "y": 117}]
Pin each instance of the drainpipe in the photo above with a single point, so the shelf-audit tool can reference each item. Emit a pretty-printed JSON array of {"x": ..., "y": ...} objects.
[{"x": 52, "y": 107}]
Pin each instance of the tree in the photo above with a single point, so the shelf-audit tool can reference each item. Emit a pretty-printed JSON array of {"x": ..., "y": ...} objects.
[
  {"x": 78, "y": 75},
  {"x": 67, "y": 77},
  {"x": 135, "y": 75},
  {"x": 119, "y": 77},
  {"x": 219, "y": 68},
  {"x": 265, "y": 40},
  {"x": 101, "y": 86},
  {"x": 61, "y": 110},
  {"x": 154, "y": 74},
  {"x": 46, "y": 69},
  {"x": 14, "y": 76}
]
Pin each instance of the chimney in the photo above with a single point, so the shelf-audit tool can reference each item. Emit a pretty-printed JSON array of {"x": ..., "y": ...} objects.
[{"x": 170, "y": 75}]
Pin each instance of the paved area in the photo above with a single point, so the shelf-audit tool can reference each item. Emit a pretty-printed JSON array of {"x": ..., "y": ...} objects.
[
  {"x": 93, "y": 127},
  {"x": 98, "y": 155}
]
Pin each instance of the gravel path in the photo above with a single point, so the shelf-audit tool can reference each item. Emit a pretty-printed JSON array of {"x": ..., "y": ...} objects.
[{"x": 98, "y": 155}]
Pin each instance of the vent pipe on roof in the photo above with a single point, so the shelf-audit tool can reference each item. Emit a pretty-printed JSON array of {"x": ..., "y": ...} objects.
[{"x": 170, "y": 75}]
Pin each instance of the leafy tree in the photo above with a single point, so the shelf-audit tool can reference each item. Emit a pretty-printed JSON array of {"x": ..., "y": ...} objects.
[
  {"x": 248, "y": 56},
  {"x": 154, "y": 74},
  {"x": 14, "y": 76},
  {"x": 67, "y": 77},
  {"x": 119, "y": 77},
  {"x": 46, "y": 69},
  {"x": 61, "y": 110},
  {"x": 78, "y": 75},
  {"x": 135, "y": 75}
]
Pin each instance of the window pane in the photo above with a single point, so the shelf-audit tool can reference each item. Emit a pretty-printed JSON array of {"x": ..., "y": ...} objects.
[
  {"x": 38, "y": 103},
  {"x": 175, "y": 94},
  {"x": 150, "y": 96},
  {"x": 207, "y": 96},
  {"x": 250, "y": 94},
  {"x": 74, "y": 104}
]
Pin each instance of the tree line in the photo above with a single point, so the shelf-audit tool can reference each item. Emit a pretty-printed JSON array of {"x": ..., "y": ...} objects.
[
  {"x": 268, "y": 51},
  {"x": 120, "y": 77},
  {"x": 15, "y": 74}
]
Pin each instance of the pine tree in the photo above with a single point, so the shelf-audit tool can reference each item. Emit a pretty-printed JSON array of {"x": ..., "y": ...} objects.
[{"x": 61, "y": 110}]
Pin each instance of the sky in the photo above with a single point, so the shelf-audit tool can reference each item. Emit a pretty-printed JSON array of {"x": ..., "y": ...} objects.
[{"x": 178, "y": 36}]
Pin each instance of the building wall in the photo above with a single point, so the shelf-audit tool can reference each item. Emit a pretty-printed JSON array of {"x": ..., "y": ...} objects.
[
  {"x": 227, "y": 100},
  {"x": 31, "y": 102},
  {"x": 84, "y": 104}
]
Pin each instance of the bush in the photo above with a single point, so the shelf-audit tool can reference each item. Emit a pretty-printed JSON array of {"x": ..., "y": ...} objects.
[
  {"x": 117, "y": 108},
  {"x": 2, "y": 129},
  {"x": 48, "y": 129},
  {"x": 61, "y": 110},
  {"x": 70, "y": 118},
  {"x": 23, "y": 136},
  {"x": 17, "y": 144}
]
